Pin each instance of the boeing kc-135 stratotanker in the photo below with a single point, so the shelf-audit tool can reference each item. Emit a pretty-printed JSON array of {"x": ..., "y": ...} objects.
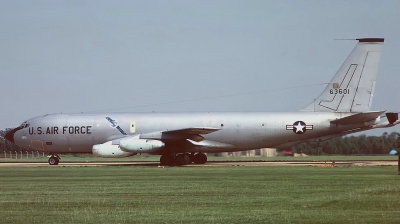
[{"x": 182, "y": 138}]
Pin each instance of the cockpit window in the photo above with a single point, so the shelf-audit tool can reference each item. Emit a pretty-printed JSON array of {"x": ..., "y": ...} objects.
[{"x": 24, "y": 125}]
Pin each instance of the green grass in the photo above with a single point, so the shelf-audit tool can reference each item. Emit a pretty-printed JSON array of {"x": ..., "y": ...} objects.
[
  {"x": 231, "y": 194},
  {"x": 155, "y": 158}
]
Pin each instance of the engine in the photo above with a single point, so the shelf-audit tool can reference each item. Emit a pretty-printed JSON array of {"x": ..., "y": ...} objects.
[
  {"x": 109, "y": 150},
  {"x": 137, "y": 145}
]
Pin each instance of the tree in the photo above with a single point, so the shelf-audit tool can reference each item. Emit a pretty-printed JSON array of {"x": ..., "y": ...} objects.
[
  {"x": 352, "y": 145},
  {"x": 398, "y": 141}
]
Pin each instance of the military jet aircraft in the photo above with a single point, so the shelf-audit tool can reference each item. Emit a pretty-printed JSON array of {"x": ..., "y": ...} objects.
[{"x": 182, "y": 138}]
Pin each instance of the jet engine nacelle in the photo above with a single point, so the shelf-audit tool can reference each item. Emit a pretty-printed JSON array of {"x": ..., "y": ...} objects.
[
  {"x": 109, "y": 150},
  {"x": 137, "y": 145}
]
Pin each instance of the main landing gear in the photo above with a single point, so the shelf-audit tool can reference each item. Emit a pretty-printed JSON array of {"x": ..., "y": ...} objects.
[
  {"x": 54, "y": 159},
  {"x": 182, "y": 159}
]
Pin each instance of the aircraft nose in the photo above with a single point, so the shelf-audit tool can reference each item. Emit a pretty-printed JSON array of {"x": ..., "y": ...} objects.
[{"x": 10, "y": 134}]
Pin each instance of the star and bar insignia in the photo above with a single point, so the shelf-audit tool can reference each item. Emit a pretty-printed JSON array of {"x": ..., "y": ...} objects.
[{"x": 299, "y": 127}]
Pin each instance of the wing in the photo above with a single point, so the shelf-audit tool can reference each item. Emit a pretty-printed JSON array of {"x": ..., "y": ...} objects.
[
  {"x": 194, "y": 134},
  {"x": 155, "y": 142}
]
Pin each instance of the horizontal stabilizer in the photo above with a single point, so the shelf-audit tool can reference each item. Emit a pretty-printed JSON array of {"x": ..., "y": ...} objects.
[
  {"x": 358, "y": 118},
  {"x": 386, "y": 124}
]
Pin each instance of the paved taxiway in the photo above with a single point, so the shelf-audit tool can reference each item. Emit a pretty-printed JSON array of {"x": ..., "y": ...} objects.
[{"x": 222, "y": 163}]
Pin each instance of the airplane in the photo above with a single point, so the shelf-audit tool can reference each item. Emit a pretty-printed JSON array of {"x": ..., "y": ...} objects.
[{"x": 182, "y": 138}]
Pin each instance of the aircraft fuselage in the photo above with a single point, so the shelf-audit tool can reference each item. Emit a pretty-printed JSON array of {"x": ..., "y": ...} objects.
[{"x": 77, "y": 133}]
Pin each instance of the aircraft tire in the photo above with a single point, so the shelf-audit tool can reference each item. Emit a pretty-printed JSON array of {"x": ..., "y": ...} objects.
[
  {"x": 200, "y": 158},
  {"x": 166, "y": 160},
  {"x": 53, "y": 160},
  {"x": 196, "y": 159},
  {"x": 191, "y": 156},
  {"x": 182, "y": 159},
  {"x": 186, "y": 159},
  {"x": 203, "y": 158}
]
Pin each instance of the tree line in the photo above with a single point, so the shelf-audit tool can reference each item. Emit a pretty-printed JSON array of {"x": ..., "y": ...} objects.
[
  {"x": 352, "y": 145},
  {"x": 8, "y": 146}
]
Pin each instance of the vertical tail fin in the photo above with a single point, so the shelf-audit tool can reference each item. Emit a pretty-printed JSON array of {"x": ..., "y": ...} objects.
[{"x": 352, "y": 88}]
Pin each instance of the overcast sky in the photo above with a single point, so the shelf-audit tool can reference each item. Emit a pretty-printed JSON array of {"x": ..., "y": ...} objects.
[{"x": 174, "y": 56}]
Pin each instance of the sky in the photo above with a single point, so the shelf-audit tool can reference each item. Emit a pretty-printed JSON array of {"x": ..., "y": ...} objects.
[{"x": 178, "y": 56}]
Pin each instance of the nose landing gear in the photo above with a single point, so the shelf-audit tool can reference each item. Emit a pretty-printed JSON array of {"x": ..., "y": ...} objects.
[{"x": 54, "y": 159}]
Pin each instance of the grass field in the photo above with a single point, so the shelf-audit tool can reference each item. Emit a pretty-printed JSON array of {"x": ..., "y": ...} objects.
[
  {"x": 155, "y": 158},
  {"x": 229, "y": 194}
]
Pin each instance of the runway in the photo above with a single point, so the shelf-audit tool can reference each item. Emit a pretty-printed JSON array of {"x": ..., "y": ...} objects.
[{"x": 220, "y": 163}]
